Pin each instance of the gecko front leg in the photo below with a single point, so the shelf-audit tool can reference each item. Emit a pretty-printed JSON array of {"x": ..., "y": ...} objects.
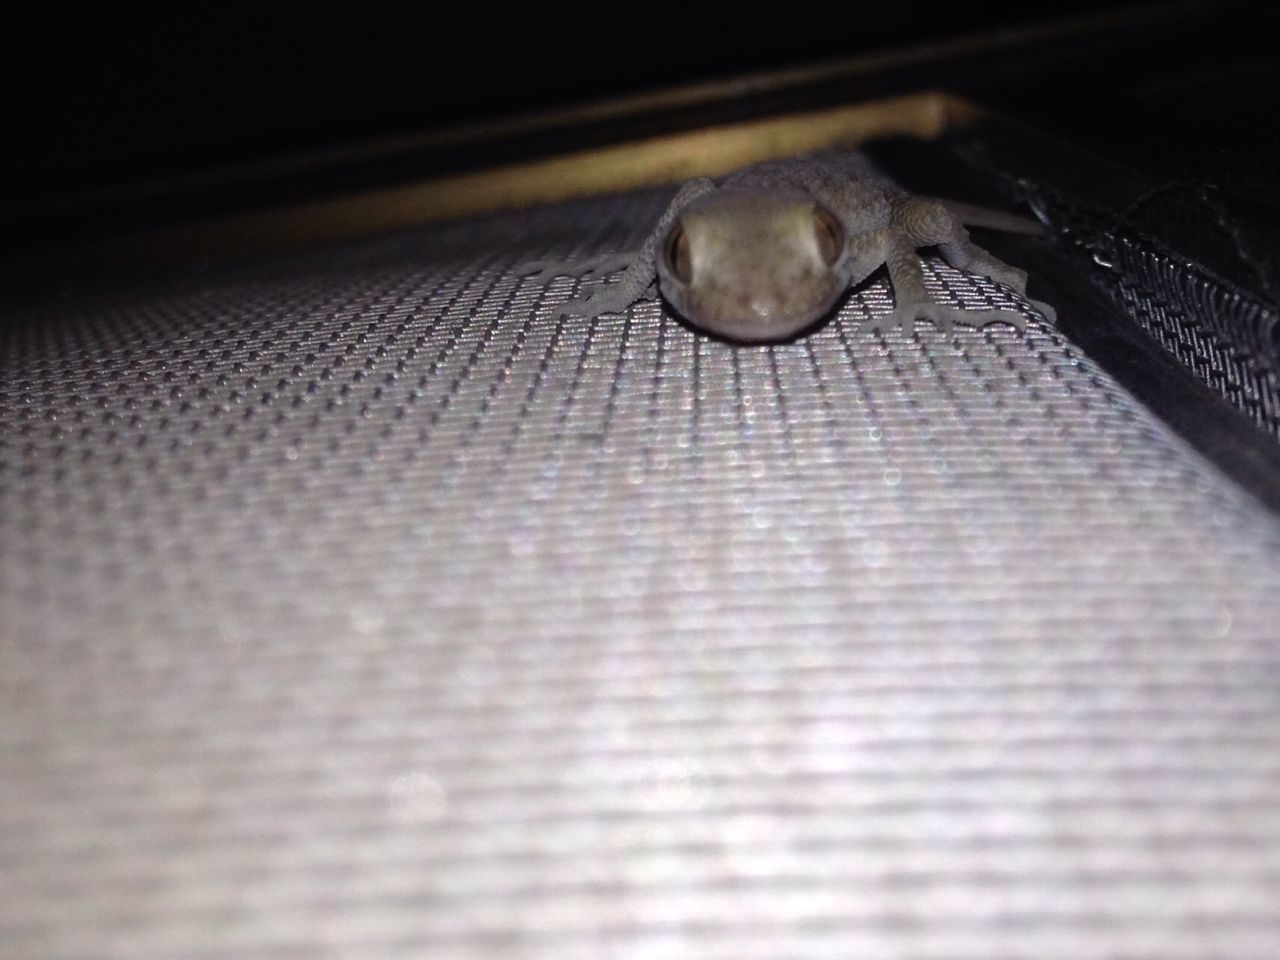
[
  {"x": 544, "y": 271},
  {"x": 590, "y": 303},
  {"x": 916, "y": 223},
  {"x": 639, "y": 280}
]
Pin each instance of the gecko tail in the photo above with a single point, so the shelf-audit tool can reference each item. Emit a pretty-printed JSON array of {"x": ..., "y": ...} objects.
[{"x": 974, "y": 216}]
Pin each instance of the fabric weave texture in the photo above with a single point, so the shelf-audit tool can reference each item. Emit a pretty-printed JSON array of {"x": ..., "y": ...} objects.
[{"x": 354, "y": 605}]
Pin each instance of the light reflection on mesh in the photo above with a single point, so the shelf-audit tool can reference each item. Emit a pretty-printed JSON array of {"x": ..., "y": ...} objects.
[{"x": 354, "y": 606}]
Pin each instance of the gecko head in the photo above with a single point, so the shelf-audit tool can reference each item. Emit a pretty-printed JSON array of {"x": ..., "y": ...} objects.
[{"x": 754, "y": 265}]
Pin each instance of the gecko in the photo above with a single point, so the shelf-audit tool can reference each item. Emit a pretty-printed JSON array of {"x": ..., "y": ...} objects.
[{"x": 766, "y": 252}]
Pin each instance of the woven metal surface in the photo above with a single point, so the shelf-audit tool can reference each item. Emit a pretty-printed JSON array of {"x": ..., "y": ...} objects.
[
  {"x": 356, "y": 607},
  {"x": 1228, "y": 338}
]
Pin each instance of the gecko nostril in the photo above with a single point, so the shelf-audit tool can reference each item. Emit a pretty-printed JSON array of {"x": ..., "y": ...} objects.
[{"x": 762, "y": 308}]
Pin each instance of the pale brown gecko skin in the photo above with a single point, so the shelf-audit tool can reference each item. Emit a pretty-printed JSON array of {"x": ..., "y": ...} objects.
[{"x": 769, "y": 251}]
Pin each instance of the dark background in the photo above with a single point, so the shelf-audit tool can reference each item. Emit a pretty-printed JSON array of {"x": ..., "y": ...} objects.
[
  {"x": 1161, "y": 117},
  {"x": 118, "y": 121}
]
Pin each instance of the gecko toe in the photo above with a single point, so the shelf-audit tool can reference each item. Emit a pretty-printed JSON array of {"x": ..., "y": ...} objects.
[
  {"x": 1050, "y": 314},
  {"x": 944, "y": 317},
  {"x": 982, "y": 318},
  {"x": 544, "y": 271},
  {"x": 594, "y": 303},
  {"x": 611, "y": 264},
  {"x": 575, "y": 307},
  {"x": 1011, "y": 277},
  {"x": 600, "y": 302},
  {"x": 887, "y": 322}
]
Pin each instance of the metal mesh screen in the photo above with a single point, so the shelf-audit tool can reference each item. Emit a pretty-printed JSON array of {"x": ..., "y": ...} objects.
[
  {"x": 1229, "y": 339},
  {"x": 354, "y": 606}
]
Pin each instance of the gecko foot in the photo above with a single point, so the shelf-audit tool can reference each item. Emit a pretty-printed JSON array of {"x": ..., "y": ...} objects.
[
  {"x": 1050, "y": 314},
  {"x": 614, "y": 298},
  {"x": 547, "y": 270},
  {"x": 944, "y": 317}
]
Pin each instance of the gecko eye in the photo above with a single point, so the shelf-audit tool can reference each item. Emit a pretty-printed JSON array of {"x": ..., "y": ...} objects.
[
  {"x": 677, "y": 253},
  {"x": 829, "y": 234}
]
